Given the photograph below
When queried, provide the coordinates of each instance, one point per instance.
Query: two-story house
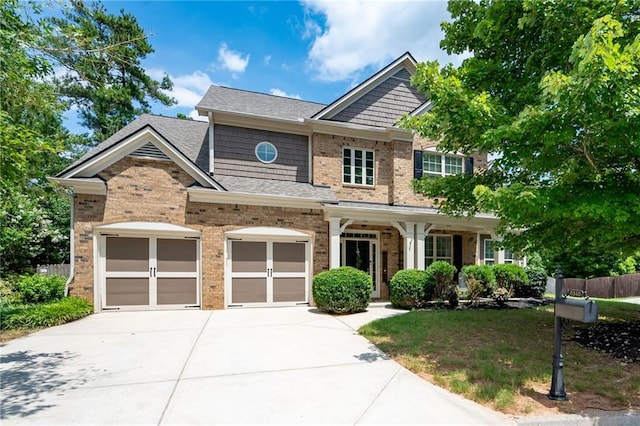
(243, 210)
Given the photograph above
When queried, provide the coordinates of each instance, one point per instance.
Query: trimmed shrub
(510, 277)
(40, 288)
(343, 290)
(410, 288)
(44, 314)
(441, 274)
(485, 277)
(537, 283)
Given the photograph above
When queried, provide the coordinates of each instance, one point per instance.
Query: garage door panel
(249, 256)
(289, 289)
(249, 290)
(127, 291)
(177, 255)
(177, 291)
(127, 254)
(289, 257)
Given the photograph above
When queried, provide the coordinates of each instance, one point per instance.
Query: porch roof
(385, 213)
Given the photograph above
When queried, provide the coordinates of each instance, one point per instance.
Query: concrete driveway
(268, 366)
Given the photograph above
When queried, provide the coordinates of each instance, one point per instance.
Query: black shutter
(468, 165)
(417, 164)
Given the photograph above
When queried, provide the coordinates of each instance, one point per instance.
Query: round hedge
(484, 276)
(343, 290)
(410, 288)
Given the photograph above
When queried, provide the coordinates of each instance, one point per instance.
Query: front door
(362, 253)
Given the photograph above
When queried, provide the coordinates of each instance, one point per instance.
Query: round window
(266, 152)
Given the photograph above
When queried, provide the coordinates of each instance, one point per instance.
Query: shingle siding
(235, 154)
(385, 104)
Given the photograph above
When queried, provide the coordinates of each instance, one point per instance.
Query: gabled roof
(182, 141)
(403, 67)
(186, 135)
(219, 98)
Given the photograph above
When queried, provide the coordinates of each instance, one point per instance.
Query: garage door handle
(152, 272)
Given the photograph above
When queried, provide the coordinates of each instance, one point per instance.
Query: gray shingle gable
(260, 104)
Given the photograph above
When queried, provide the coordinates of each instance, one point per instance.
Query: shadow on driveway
(26, 377)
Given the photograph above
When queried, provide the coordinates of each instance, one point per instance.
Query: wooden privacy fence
(606, 287)
(62, 269)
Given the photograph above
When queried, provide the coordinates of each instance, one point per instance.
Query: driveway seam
(379, 394)
(193, 347)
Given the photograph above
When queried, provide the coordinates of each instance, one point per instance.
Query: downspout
(72, 242)
(211, 142)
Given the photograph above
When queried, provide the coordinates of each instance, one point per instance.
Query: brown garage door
(267, 272)
(150, 272)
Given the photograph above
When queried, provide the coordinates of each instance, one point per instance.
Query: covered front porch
(382, 239)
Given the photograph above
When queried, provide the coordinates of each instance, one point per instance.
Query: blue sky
(314, 50)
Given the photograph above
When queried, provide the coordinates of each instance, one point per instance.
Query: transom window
(489, 252)
(438, 247)
(357, 166)
(441, 164)
(266, 152)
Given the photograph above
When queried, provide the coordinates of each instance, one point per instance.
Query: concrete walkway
(267, 366)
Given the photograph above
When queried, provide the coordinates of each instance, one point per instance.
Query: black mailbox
(577, 309)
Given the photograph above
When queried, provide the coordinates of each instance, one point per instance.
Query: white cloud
(278, 92)
(348, 37)
(195, 116)
(231, 60)
(267, 59)
(188, 89)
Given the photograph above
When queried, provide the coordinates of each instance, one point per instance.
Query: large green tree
(552, 93)
(101, 54)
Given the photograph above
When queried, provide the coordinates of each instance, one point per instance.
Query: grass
(503, 358)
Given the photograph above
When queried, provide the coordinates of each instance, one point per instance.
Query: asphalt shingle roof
(276, 187)
(259, 104)
(186, 135)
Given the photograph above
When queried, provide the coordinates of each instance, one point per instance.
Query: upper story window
(438, 247)
(435, 164)
(441, 164)
(357, 166)
(266, 152)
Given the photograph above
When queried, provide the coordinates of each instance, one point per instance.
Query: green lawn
(503, 358)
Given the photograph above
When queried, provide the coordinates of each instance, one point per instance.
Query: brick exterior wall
(155, 191)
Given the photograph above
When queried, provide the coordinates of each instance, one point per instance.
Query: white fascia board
(439, 220)
(91, 186)
(422, 109)
(133, 142)
(404, 61)
(204, 195)
(240, 119)
(360, 131)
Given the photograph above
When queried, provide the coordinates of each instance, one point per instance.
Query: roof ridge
(267, 94)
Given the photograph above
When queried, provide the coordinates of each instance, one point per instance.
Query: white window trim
(364, 167)
(258, 156)
(443, 157)
(491, 259)
(435, 256)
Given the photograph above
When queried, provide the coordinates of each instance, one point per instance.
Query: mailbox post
(557, 392)
(582, 310)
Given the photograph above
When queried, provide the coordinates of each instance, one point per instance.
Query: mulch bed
(619, 339)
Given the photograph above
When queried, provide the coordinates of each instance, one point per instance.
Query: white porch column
(478, 249)
(334, 242)
(500, 258)
(420, 236)
(409, 246)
